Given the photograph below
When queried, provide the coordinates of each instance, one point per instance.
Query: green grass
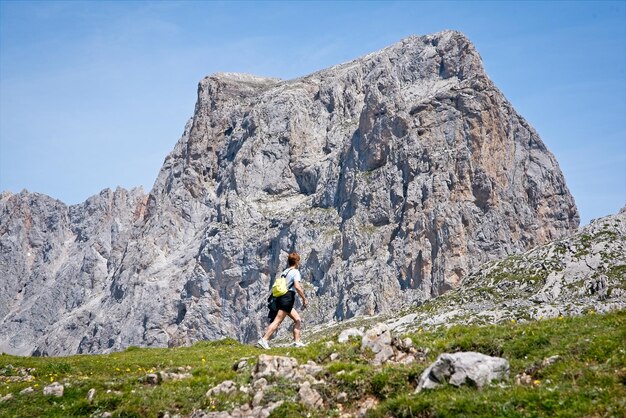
(588, 380)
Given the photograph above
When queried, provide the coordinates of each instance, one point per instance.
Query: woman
(285, 304)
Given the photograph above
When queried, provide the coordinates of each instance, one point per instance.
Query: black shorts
(286, 301)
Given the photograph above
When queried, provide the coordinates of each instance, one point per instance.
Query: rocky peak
(394, 175)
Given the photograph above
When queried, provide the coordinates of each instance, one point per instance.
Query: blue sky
(96, 94)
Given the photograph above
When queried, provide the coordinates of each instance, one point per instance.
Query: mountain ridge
(394, 175)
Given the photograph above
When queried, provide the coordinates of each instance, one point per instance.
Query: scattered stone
(385, 354)
(376, 339)
(106, 415)
(334, 356)
(388, 348)
(365, 406)
(275, 366)
(310, 369)
(7, 397)
(152, 378)
(91, 394)
(342, 397)
(55, 389)
(524, 379)
(257, 399)
(27, 391)
(114, 392)
(309, 396)
(259, 384)
(241, 411)
(404, 358)
(18, 378)
(346, 334)
(226, 387)
(550, 361)
(166, 376)
(404, 345)
(241, 364)
(471, 368)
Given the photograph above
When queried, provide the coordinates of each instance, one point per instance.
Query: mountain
(393, 175)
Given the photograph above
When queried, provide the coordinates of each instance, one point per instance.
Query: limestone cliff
(393, 175)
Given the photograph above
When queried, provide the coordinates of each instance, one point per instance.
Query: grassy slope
(590, 379)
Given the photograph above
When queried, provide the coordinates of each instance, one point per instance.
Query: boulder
(90, 395)
(275, 366)
(346, 334)
(467, 368)
(309, 397)
(226, 387)
(377, 338)
(55, 389)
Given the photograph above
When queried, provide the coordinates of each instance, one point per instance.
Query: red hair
(293, 259)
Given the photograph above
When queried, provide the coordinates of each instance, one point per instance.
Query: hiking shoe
(263, 344)
(299, 344)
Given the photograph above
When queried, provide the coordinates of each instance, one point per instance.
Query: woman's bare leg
(271, 329)
(297, 324)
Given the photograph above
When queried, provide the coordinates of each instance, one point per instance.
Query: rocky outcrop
(393, 175)
(584, 273)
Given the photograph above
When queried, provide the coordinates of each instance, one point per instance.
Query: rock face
(393, 175)
(55, 266)
(584, 273)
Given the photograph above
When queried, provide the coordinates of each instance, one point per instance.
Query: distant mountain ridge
(394, 175)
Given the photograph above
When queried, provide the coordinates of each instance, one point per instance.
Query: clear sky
(96, 94)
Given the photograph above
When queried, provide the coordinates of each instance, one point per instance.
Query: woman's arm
(300, 291)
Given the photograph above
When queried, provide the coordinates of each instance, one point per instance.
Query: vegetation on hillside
(589, 378)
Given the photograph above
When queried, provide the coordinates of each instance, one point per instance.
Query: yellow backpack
(279, 287)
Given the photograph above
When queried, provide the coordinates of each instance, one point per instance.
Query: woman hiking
(285, 303)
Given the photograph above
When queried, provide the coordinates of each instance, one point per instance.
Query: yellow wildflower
(512, 321)
(537, 382)
(127, 370)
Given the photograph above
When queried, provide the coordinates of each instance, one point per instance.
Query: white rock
(463, 368)
(346, 334)
(55, 389)
(309, 396)
(226, 387)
